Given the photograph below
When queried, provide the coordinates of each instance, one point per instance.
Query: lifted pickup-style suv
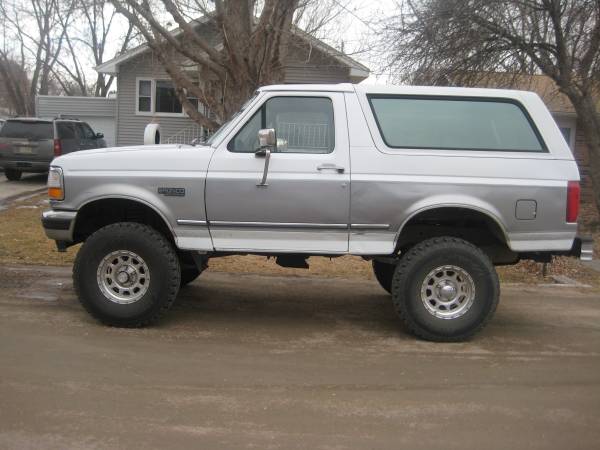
(435, 186)
(28, 144)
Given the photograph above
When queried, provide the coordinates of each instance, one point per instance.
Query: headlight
(56, 189)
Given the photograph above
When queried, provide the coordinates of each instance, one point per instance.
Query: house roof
(557, 102)
(356, 69)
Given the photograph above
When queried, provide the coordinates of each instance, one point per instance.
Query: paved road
(246, 361)
(29, 183)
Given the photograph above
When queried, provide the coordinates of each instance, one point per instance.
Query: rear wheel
(384, 273)
(13, 174)
(126, 274)
(445, 289)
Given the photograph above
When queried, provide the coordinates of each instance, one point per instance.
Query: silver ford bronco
(435, 186)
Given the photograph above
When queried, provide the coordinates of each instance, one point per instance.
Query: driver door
(303, 206)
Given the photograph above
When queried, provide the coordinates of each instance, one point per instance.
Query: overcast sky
(357, 32)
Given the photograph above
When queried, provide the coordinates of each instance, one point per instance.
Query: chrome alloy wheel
(448, 292)
(123, 277)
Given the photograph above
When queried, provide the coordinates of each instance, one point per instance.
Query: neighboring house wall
(304, 65)
(130, 123)
(98, 112)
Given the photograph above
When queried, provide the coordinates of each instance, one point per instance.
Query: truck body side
(381, 193)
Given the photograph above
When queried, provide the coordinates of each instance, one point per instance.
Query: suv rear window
(455, 123)
(33, 131)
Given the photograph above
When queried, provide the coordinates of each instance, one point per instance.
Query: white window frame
(137, 97)
(152, 111)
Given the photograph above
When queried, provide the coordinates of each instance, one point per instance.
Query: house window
(166, 98)
(159, 97)
(145, 96)
(566, 132)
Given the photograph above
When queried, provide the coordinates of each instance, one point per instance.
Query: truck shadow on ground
(261, 303)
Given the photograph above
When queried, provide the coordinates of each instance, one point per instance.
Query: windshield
(27, 129)
(219, 131)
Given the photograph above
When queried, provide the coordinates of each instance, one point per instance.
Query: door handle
(266, 153)
(328, 166)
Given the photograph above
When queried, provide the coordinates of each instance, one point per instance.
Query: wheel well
(473, 226)
(99, 213)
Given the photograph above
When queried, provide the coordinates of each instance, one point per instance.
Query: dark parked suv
(29, 144)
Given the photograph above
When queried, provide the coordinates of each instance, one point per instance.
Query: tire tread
(400, 279)
(163, 246)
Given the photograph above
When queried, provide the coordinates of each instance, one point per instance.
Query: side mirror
(266, 138)
(99, 135)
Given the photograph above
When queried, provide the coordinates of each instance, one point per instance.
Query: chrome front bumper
(59, 225)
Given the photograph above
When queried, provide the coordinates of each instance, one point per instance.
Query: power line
(353, 14)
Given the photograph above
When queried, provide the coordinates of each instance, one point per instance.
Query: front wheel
(445, 289)
(126, 275)
(12, 174)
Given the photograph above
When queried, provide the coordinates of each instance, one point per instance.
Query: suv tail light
(57, 147)
(573, 192)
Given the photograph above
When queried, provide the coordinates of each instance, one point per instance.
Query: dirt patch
(22, 238)
(22, 241)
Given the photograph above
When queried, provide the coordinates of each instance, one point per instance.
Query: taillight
(573, 192)
(57, 147)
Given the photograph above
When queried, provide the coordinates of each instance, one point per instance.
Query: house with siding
(145, 94)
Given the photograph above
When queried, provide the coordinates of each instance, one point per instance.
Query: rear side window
(34, 131)
(447, 123)
(66, 130)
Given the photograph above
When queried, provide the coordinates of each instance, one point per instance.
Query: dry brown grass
(22, 241)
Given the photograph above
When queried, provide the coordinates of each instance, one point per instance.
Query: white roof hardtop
(397, 90)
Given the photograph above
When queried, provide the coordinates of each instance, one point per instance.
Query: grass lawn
(22, 241)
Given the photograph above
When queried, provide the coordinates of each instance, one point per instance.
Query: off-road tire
(153, 248)
(411, 272)
(384, 273)
(13, 174)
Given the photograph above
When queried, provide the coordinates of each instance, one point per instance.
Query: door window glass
(302, 125)
(85, 132)
(246, 140)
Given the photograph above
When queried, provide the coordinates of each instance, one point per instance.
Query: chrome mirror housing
(266, 138)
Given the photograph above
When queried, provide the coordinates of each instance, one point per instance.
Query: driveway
(246, 361)
(28, 184)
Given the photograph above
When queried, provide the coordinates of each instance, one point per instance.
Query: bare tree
(251, 44)
(94, 27)
(434, 41)
(34, 42)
